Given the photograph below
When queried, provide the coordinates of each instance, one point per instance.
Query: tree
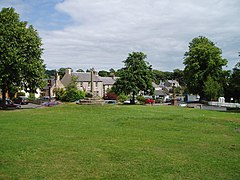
(136, 76)
(202, 60)
(80, 70)
(234, 83)
(50, 73)
(103, 73)
(158, 76)
(211, 89)
(179, 76)
(112, 71)
(20, 54)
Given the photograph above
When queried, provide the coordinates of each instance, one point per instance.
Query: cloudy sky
(101, 33)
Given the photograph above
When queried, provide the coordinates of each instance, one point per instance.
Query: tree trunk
(133, 99)
(4, 91)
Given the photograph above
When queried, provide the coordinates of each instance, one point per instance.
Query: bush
(141, 99)
(31, 97)
(72, 95)
(110, 96)
(122, 97)
(60, 93)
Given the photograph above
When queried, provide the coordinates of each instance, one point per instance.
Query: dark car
(45, 98)
(21, 100)
(9, 105)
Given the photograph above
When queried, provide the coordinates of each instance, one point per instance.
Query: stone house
(52, 84)
(84, 82)
(107, 83)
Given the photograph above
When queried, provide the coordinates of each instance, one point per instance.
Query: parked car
(110, 101)
(129, 101)
(21, 100)
(149, 101)
(45, 98)
(9, 105)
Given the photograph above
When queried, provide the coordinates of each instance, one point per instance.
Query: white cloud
(103, 32)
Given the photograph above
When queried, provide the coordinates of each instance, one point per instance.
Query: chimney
(57, 77)
(112, 75)
(95, 73)
(68, 71)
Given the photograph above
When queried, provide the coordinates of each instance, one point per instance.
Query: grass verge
(119, 142)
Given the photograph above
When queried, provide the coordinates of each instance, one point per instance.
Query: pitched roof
(86, 77)
(155, 85)
(107, 80)
(160, 93)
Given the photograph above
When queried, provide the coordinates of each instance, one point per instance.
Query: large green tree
(203, 59)
(103, 73)
(234, 84)
(179, 76)
(211, 89)
(136, 76)
(20, 54)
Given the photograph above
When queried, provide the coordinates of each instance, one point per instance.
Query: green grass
(119, 142)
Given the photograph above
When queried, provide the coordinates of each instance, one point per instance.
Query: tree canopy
(234, 83)
(202, 60)
(20, 54)
(104, 73)
(80, 70)
(136, 76)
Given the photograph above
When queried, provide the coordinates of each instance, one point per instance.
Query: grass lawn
(119, 142)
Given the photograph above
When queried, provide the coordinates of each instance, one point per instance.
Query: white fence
(220, 104)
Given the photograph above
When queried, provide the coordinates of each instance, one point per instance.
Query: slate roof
(155, 85)
(169, 83)
(107, 80)
(160, 93)
(86, 77)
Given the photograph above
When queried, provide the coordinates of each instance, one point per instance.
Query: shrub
(72, 95)
(141, 99)
(122, 97)
(110, 96)
(31, 97)
(60, 93)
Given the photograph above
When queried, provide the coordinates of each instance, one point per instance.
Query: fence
(220, 104)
